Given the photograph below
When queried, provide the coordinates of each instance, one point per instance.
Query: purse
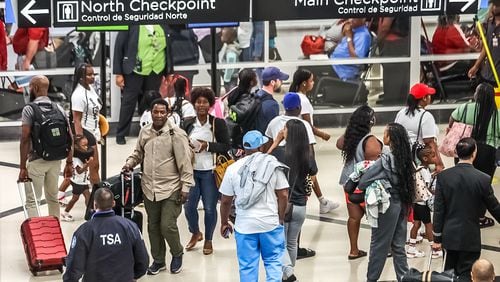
(417, 143)
(457, 131)
(221, 162)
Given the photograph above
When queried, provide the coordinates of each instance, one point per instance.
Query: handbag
(457, 131)
(221, 162)
(417, 143)
(312, 44)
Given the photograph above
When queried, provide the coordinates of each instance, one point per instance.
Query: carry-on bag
(42, 238)
(414, 275)
(127, 202)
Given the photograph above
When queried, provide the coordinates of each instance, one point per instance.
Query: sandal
(305, 253)
(486, 222)
(359, 255)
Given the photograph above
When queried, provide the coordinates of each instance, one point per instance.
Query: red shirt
(23, 35)
(449, 40)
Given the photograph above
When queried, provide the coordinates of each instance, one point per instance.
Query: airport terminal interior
(291, 46)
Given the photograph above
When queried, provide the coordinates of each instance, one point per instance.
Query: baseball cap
(273, 73)
(291, 101)
(254, 139)
(420, 90)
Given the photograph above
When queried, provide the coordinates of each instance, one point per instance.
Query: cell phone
(196, 145)
(227, 233)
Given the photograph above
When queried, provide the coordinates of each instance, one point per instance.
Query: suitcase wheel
(60, 269)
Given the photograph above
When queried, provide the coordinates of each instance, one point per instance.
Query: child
(80, 182)
(421, 211)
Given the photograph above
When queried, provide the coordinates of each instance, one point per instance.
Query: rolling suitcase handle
(22, 196)
(123, 176)
(429, 262)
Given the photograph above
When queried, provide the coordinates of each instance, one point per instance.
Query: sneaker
(290, 279)
(120, 140)
(412, 252)
(155, 268)
(437, 254)
(176, 265)
(65, 216)
(327, 206)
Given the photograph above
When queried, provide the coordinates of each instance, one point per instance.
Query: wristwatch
(349, 39)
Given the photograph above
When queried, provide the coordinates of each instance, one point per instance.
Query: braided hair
(360, 124)
(180, 89)
(486, 112)
(405, 170)
(297, 151)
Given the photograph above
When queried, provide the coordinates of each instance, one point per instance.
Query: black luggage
(414, 275)
(124, 205)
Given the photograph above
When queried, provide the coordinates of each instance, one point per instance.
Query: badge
(495, 41)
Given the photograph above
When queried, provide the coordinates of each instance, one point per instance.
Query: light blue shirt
(362, 42)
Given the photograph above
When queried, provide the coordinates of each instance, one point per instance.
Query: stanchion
(490, 60)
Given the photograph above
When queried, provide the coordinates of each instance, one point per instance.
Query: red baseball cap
(420, 90)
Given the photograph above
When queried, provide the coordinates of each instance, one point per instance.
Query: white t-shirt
(203, 160)
(245, 34)
(279, 122)
(307, 107)
(80, 178)
(428, 129)
(88, 103)
(261, 217)
(187, 108)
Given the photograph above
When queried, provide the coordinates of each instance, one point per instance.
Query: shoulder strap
(464, 113)
(419, 131)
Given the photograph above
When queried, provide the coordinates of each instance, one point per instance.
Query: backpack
(245, 111)
(50, 134)
(422, 191)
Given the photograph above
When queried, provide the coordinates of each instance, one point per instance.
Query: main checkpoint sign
(333, 9)
(70, 13)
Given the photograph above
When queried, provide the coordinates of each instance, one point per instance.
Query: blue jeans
(206, 189)
(270, 245)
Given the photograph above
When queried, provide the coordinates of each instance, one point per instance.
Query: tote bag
(457, 131)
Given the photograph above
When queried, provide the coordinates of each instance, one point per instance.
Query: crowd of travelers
(261, 167)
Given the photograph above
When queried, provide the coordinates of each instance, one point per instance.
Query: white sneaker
(327, 206)
(66, 217)
(437, 254)
(412, 252)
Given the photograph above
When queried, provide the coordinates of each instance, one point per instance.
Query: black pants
(396, 75)
(461, 263)
(135, 86)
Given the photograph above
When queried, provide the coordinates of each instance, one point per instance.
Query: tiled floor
(326, 234)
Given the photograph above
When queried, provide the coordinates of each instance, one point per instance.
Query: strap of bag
(419, 131)
(213, 139)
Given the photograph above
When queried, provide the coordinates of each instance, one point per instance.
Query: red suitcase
(43, 240)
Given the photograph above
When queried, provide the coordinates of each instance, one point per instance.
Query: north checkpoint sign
(70, 13)
(335, 9)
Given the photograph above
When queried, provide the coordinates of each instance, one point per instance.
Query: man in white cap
(259, 186)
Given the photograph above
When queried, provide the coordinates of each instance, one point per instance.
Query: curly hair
(403, 161)
(299, 77)
(203, 92)
(360, 124)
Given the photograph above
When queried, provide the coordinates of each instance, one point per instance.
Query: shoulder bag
(458, 130)
(221, 162)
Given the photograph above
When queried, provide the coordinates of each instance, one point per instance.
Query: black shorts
(78, 189)
(422, 213)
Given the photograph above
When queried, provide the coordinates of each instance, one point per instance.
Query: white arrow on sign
(466, 6)
(27, 12)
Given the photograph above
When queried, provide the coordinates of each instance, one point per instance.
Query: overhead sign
(334, 9)
(68, 13)
(33, 13)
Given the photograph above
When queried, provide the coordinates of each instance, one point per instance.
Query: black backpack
(50, 134)
(245, 111)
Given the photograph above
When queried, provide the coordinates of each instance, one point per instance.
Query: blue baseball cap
(291, 101)
(273, 73)
(254, 139)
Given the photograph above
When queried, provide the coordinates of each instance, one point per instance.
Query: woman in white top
(210, 137)
(175, 90)
(85, 106)
(420, 123)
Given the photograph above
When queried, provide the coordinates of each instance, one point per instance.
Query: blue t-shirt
(269, 109)
(362, 42)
